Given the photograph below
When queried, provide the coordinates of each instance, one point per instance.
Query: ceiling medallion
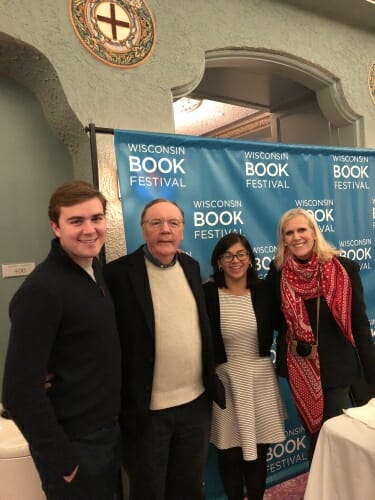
(371, 81)
(117, 32)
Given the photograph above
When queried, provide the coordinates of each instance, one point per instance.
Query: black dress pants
(99, 455)
(166, 461)
(335, 399)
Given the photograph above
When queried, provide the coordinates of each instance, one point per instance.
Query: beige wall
(33, 163)
(140, 98)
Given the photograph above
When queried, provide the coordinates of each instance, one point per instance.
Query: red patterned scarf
(301, 281)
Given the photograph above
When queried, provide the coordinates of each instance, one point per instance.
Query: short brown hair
(71, 193)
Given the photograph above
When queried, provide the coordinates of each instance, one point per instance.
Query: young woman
(242, 329)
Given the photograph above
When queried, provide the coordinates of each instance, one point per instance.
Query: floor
(293, 489)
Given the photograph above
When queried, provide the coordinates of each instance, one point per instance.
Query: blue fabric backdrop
(231, 185)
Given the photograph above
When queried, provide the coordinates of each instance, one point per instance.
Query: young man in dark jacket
(63, 324)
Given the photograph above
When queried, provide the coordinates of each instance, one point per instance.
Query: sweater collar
(57, 249)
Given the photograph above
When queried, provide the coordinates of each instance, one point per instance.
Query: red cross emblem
(118, 32)
(116, 22)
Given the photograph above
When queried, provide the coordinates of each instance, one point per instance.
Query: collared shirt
(156, 261)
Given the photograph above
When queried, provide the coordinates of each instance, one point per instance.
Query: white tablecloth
(343, 467)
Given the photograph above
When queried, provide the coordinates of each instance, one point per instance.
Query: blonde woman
(324, 338)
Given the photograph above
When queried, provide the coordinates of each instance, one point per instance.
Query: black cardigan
(262, 314)
(339, 361)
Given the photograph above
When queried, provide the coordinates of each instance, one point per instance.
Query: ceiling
(228, 95)
(207, 116)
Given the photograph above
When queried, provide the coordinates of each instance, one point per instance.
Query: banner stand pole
(92, 130)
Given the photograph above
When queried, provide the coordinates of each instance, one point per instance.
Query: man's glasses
(157, 224)
(229, 257)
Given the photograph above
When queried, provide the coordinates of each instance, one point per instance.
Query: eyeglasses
(157, 224)
(229, 257)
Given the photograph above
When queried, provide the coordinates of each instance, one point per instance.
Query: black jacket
(62, 322)
(340, 362)
(260, 300)
(128, 282)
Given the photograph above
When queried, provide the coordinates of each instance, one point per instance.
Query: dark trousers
(166, 459)
(99, 455)
(235, 473)
(334, 400)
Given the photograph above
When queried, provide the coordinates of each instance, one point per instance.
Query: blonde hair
(324, 250)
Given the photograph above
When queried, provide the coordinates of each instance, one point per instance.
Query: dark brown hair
(221, 247)
(71, 193)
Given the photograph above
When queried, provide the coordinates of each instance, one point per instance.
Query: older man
(168, 370)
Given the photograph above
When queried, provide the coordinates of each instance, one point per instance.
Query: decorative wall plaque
(371, 81)
(118, 32)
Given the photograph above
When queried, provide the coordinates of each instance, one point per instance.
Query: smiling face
(299, 237)
(81, 229)
(235, 263)
(163, 230)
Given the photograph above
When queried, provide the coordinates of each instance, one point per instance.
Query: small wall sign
(120, 33)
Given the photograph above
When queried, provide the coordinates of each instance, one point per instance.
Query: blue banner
(231, 185)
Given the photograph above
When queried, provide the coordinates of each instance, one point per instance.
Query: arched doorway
(296, 102)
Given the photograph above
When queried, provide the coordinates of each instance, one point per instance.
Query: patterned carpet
(293, 489)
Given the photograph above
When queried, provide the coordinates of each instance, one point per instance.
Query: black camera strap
(317, 319)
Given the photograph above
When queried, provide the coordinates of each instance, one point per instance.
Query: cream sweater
(178, 360)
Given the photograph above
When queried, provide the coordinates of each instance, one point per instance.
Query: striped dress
(254, 410)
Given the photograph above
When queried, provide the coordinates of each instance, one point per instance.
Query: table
(343, 467)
